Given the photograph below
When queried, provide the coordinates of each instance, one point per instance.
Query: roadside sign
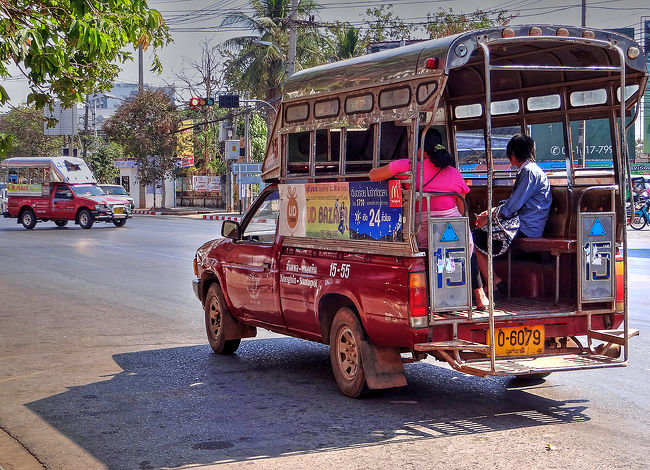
(247, 168)
(249, 179)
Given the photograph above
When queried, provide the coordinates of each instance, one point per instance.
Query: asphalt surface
(104, 364)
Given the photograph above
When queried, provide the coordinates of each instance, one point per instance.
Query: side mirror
(231, 229)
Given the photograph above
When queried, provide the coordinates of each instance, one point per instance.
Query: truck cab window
(63, 192)
(262, 226)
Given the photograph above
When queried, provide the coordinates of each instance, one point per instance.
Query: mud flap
(382, 366)
(232, 329)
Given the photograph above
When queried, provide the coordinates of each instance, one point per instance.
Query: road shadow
(275, 397)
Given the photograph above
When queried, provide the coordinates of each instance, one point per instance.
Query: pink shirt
(449, 180)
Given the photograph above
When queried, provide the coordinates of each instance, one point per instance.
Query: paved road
(104, 364)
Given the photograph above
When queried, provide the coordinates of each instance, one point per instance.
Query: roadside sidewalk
(206, 213)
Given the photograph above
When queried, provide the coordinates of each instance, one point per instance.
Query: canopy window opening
(328, 151)
(298, 150)
(393, 142)
(472, 159)
(359, 149)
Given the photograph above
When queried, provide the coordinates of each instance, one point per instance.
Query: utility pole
(582, 125)
(291, 68)
(142, 194)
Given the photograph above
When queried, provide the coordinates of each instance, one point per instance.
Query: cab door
(63, 205)
(252, 263)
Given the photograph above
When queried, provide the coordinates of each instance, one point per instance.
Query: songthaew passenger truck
(60, 189)
(326, 255)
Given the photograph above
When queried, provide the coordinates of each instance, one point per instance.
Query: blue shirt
(530, 200)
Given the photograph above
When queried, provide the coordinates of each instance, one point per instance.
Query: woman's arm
(380, 173)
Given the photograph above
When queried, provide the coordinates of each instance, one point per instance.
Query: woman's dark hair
(522, 147)
(438, 155)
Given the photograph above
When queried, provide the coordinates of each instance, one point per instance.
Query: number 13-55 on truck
(326, 255)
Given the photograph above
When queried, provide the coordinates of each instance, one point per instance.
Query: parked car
(118, 192)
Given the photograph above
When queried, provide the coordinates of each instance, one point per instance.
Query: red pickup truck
(59, 189)
(326, 255)
(83, 203)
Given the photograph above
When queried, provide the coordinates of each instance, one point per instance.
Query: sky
(192, 22)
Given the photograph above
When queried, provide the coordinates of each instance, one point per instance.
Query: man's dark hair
(522, 147)
(440, 157)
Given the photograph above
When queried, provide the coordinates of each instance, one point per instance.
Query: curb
(222, 217)
(235, 218)
(145, 212)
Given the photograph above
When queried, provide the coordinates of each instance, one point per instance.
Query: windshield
(115, 190)
(87, 190)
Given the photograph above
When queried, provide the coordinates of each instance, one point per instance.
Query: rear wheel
(215, 313)
(61, 223)
(119, 222)
(345, 353)
(86, 219)
(28, 219)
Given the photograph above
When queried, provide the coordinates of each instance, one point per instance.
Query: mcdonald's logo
(395, 193)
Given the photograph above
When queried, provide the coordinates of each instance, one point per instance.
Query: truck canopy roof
(66, 169)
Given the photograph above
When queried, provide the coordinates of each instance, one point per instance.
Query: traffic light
(200, 102)
(229, 101)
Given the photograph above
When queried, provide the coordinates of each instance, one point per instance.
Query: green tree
(146, 128)
(67, 48)
(258, 136)
(446, 22)
(23, 127)
(257, 63)
(101, 156)
(384, 25)
(344, 41)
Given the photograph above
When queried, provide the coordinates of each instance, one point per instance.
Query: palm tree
(257, 62)
(344, 42)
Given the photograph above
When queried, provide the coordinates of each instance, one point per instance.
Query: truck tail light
(418, 300)
(196, 268)
(620, 291)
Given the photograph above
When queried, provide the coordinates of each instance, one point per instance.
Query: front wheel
(119, 222)
(28, 219)
(61, 223)
(86, 219)
(215, 313)
(345, 353)
(638, 221)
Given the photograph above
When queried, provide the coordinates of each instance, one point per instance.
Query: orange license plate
(518, 340)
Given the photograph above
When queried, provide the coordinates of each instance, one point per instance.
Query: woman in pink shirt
(439, 175)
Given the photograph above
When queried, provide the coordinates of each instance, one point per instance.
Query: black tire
(638, 222)
(215, 312)
(86, 219)
(345, 353)
(119, 222)
(28, 219)
(61, 223)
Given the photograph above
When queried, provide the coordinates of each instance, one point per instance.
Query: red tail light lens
(418, 299)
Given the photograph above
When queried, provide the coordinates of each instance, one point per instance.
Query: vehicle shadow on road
(275, 397)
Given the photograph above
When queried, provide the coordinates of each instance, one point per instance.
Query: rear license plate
(518, 340)
(118, 210)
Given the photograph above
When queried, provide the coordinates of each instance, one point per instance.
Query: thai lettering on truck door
(251, 267)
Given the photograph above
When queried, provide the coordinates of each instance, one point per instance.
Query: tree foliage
(101, 156)
(146, 127)
(23, 129)
(258, 132)
(68, 48)
(446, 22)
(258, 63)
